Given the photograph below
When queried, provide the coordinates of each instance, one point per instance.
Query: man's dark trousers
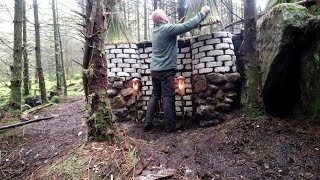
(163, 84)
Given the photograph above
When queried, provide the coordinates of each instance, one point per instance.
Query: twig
(77, 63)
(230, 10)
(24, 123)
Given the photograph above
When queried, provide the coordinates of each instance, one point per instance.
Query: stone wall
(215, 80)
(207, 62)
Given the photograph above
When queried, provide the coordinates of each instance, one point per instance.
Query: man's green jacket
(164, 42)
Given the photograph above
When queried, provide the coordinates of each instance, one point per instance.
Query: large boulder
(288, 44)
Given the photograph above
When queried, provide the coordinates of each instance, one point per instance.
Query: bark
(26, 80)
(138, 19)
(253, 101)
(41, 81)
(145, 21)
(56, 47)
(181, 8)
(16, 68)
(63, 74)
(155, 4)
(100, 122)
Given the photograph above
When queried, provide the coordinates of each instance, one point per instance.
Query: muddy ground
(240, 148)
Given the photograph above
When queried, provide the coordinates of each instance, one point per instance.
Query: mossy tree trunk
(100, 122)
(39, 71)
(26, 80)
(16, 68)
(251, 95)
(56, 47)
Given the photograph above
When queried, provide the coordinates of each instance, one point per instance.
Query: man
(164, 62)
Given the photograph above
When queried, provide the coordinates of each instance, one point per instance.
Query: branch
(24, 123)
(5, 44)
(79, 13)
(77, 63)
(231, 11)
(238, 21)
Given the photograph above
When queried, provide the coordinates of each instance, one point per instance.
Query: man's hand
(205, 9)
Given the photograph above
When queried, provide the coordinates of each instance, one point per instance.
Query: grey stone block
(188, 55)
(136, 75)
(228, 63)
(116, 51)
(180, 56)
(224, 58)
(186, 61)
(185, 50)
(148, 50)
(215, 53)
(134, 46)
(115, 70)
(129, 51)
(130, 61)
(109, 46)
(200, 55)
(111, 74)
(198, 44)
(148, 60)
(123, 65)
(180, 67)
(207, 59)
(206, 48)
(137, 66)
(220, 34)
(121, 55)
(199, 66)
(130, 70)
(123, 46)
(213, 64)
(205, 37)
(213, 41)
(186, 74)
(114, 61)
(188, 67)
(229, 52)
(144, 66)
(227, 40)
(205, 70)
(222, 69)
(135, 56)
(195, 50)
(222, 46)
(110, 56)
(123, 74)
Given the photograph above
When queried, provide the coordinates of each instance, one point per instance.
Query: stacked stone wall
(215, 80)
(207, 62)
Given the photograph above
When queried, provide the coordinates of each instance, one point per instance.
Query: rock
(289, 51)
(205, 110)
(128, 84)
(212, 101)
(223, 107)
(220, 95)
(228, 100)
(231, 95)
(228, 87)
(233, 77)
(118, 102)
(117, 85)
(200, 85)
(126, 92)
(112, 92)
(123, 112)
(132, 100)
(216, 78)
(214, 89)
(204, 124)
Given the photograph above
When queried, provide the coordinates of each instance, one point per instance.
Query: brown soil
(26, 149)
(237, 149)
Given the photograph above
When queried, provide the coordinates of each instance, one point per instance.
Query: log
(25, 114)
(24, 123)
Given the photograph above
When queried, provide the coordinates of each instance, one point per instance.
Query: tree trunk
(26, 81)
(138, 19)
(100, 122)
(251, 95)
(56, 47)
(42, 84)
(16, 68)
(64, 81)
(145, 21)
(155, 4)
(181, 8)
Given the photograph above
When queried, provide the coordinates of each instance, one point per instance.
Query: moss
(101, 118)
(56, 99)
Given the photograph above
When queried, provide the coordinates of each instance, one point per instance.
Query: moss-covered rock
(288, 44)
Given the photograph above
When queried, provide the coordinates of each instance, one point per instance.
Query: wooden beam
(24, 123)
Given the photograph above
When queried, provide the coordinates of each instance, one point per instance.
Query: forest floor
(240, 148)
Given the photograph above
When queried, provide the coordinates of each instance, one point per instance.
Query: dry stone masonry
(207, 62)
